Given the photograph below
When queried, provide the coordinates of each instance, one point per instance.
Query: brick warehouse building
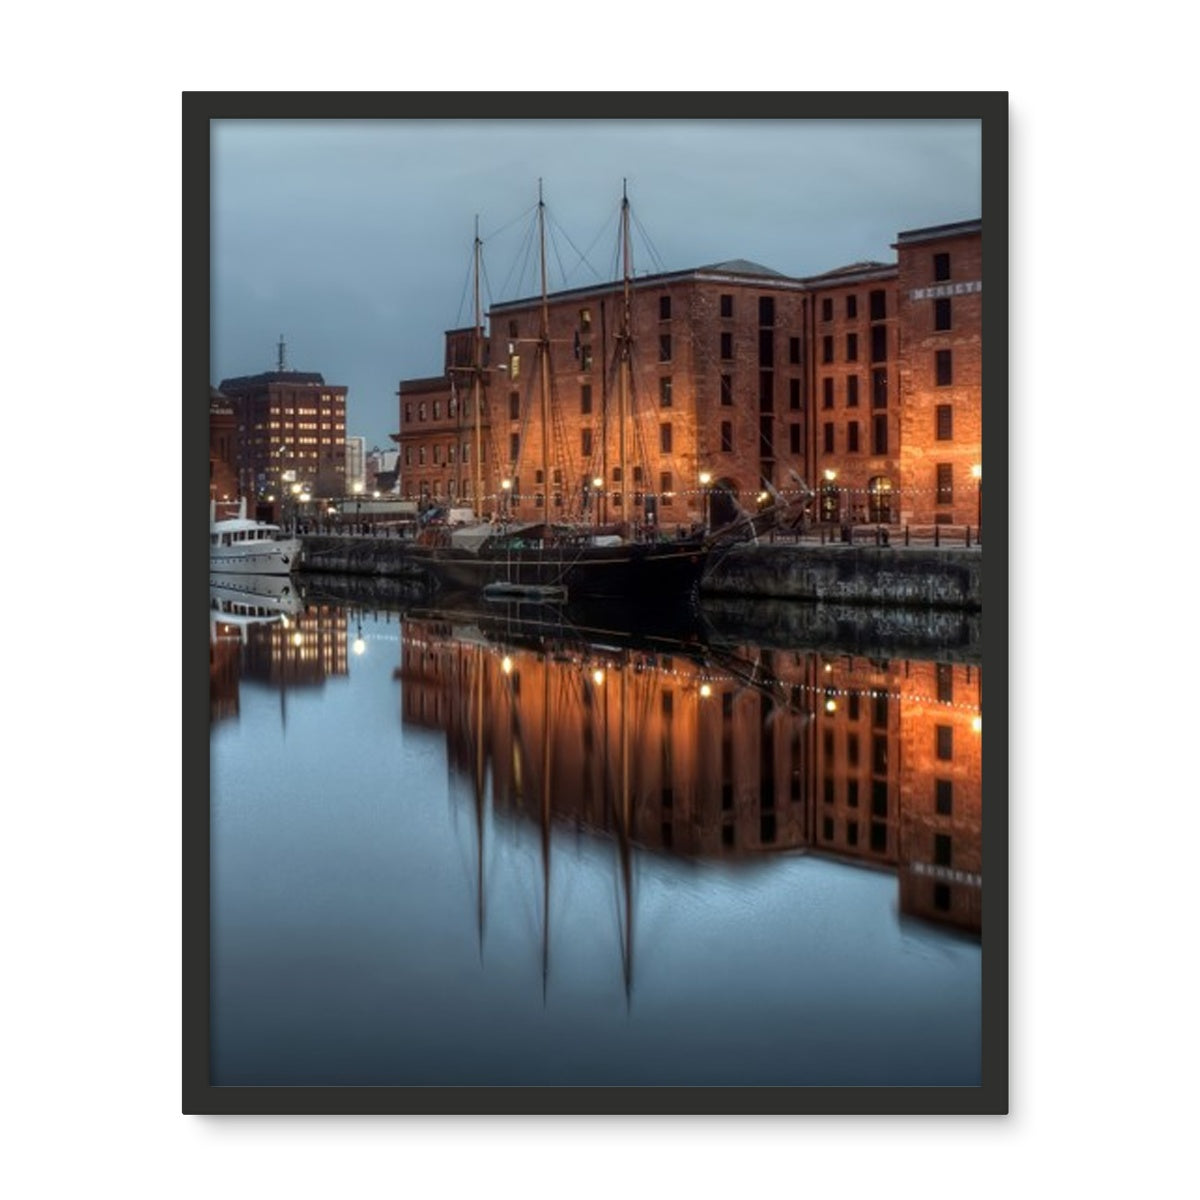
(740, 373)
(222, 447)
(291, 431)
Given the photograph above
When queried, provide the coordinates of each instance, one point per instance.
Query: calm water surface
(449, 849)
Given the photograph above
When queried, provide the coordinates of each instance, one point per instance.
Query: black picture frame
(199, 1095)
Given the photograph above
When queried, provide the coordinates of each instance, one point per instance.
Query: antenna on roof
(282, 355)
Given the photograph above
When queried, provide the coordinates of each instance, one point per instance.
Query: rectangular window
(852, 793)
(726, 306)
(878, 837)
(945, 683)
(879, 346)
(852, 749)
(941, 313)
(851, 833)
(879, 754)
(945, 742)
(852, 347)
(514, 406)
(827, 310)
(794, 437)
(514, 447)
(585, 357)
(945, 370)
(945, 423)
(851, 391)
(879, 387)
(616, 474)
(664, 488)
(727, 345)
(852, 437)
(637, 475)
(586, 443)
(828, 789)
(851, 307)
(941, 850)
(766, 348)
(766, 310)
(585, 398)
(852, 708)
(664, 392)
(512, 329)
(945, 483)
(879, 710)
(668, 703)
(793, 393)
(585, 319)
(827, 829)
(941, 266)
(880, 435)
(793, 350)
(664, 308)
(878, 301)
(664, 347)
(828, 437)
(726, 390)
(827, 393)
(879, 798)
(766, 391)
(766, 437)
(727, 437)
(827, 349)
(664, 438)
(944, 797)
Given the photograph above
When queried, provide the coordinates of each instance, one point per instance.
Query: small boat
(540, 593)
(242, 546)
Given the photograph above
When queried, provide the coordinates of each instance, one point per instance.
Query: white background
(1102, 669)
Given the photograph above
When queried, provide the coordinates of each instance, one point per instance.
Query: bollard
(937, 535)
(906, 535)
(968, 537)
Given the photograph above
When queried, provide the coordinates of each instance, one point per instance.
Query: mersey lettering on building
(946, 289)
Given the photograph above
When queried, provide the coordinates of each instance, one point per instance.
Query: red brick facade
(940, 298)
(291, 431)
(222, 448)
(749, 377)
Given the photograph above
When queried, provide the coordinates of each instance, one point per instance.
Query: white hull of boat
(256, 558)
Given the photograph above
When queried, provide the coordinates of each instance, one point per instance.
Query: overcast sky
(353, 238)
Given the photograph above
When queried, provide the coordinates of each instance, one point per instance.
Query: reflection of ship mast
(480, 793)
(545, 824)
(624, 840)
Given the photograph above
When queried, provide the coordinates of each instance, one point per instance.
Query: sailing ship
(580, 560)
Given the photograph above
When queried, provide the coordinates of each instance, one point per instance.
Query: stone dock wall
(945, 578)
(873, 575)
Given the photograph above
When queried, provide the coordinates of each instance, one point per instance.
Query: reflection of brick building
(839, 757)
(300, 651)
(843, 379)
(940, 786)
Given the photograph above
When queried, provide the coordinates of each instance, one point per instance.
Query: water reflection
(716, 754)
(261, 629)
(479, 846)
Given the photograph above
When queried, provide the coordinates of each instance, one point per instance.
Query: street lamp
(506, 485)
(597, 487)
(705, 480)
(977, 475)
(830, 505)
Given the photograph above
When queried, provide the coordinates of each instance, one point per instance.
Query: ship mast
(475, 380)
(544, 351)
(622, 395)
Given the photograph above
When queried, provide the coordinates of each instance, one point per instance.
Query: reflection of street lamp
(977, 475)
(705, 480)
(597, 487)
(506, 485)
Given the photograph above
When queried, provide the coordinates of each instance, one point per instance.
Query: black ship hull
(649, 573)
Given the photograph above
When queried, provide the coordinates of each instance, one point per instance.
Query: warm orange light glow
(976, 724)
(597, 677)
(705, 691)
(506, 665)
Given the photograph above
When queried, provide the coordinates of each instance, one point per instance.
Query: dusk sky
(353, 239)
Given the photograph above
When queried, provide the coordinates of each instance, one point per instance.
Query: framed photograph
(595, 611)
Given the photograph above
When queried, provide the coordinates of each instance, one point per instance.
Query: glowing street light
(705, 480)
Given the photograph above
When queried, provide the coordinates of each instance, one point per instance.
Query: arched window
(879, 500)
(437, 410)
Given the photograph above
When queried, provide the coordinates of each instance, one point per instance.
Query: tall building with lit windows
(291, 431)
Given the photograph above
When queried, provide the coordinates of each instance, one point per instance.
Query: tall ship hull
(653, 573)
